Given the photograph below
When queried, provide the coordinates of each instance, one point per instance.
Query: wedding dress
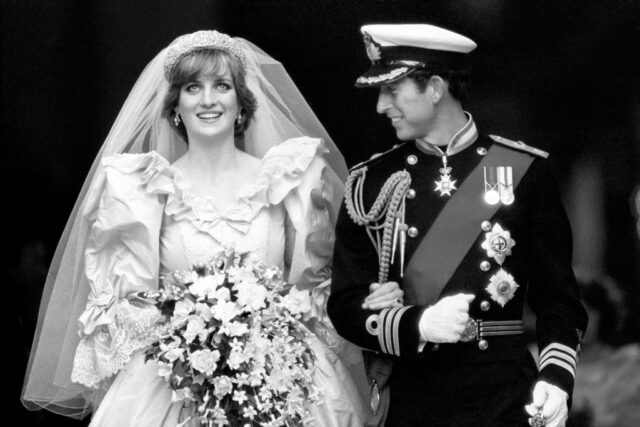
(145, 220)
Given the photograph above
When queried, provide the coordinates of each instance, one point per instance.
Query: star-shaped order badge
(446, 185)
(502, 287)
(498, 243)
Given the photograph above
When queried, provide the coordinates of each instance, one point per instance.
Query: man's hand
(445, 321)
(551, 402)
(381, 296)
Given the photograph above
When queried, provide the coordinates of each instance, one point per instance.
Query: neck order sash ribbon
(456, 228)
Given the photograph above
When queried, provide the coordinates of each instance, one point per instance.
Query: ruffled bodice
(145, 219)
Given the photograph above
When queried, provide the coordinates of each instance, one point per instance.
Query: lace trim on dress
(106, 351)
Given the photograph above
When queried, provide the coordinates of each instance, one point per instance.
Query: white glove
(381, 296)
(445, 321)
(551, 401)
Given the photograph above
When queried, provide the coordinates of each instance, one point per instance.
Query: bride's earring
(239, 118)
(176, 119)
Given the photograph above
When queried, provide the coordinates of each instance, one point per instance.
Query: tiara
(199, 40)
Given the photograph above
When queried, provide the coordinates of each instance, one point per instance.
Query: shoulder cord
(389, 204)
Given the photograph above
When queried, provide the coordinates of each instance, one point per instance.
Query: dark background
(559, 75)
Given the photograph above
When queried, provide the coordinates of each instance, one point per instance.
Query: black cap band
(396, 55)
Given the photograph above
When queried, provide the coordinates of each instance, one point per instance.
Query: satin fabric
(146, 221)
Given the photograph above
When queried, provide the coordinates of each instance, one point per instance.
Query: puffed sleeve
(553, 292)
(124, 211)
(311, 193)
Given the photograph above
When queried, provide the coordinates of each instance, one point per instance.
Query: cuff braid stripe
(560, 355)
(388, 332)
(381, 331)
(561, 364)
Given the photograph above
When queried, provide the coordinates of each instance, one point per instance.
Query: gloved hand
(445, 321)
(551, 401)
(385, 295)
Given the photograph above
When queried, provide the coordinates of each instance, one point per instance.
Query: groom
(471, 227)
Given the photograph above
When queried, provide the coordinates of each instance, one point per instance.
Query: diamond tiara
(199, 40)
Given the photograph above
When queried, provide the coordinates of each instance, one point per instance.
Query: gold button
(412, 232)
(485, 266)
(486, 225)
(411, 194)
(485, 305)
(483, 345)
(482, 151)
(412, 159)
(435, 347)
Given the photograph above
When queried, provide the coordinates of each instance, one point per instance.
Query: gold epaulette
(519, 145)
(376, 156)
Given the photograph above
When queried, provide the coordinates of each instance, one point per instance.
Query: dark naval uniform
(505, 248)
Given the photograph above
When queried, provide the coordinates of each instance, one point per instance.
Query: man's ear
(439, 88)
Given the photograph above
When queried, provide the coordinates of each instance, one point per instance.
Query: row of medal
(498, 182)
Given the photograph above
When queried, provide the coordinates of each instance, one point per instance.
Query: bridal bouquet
(234, 344)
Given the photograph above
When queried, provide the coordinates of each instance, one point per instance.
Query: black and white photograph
(322, 213)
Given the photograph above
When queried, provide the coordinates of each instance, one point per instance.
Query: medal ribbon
(456, 228)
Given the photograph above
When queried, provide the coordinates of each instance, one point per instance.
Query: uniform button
(485, 305)
(412, 231)
(482, 151)
(412, 159)
(485, 266)
(486, 225)
(483, 345)
(411, 193)
(435, 347)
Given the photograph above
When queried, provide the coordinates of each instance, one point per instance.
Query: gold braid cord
(384, 217)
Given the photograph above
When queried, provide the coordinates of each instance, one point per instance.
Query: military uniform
(506, 252)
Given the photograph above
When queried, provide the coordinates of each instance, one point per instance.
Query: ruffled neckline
(282, 170)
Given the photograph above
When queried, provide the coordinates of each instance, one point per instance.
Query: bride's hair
(210, 61)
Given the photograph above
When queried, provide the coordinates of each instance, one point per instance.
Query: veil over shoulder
(282, 114)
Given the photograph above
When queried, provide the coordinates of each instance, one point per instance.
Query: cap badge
(373, 49)
(498, 243)
(502, 287)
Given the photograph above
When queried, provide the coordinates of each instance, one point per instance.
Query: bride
(208, 152)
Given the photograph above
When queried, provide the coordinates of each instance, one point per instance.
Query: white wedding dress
(145, 220)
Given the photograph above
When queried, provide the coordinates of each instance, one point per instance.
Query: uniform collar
(466, 136)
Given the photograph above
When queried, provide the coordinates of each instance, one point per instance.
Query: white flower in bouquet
(235, 329)
(236, 358)
(241, 275)
(205, 361)
(225, 311)
(181, 394)
(251, 296)
(297, 302)
(205, 286)
(219, 416)
(165, 369)
(195, 327)
(222, 386)
(240, 396)
(174, 354)
(221, 294)
(181, 312)
(204, 310)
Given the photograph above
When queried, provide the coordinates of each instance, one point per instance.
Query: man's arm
(355, 267)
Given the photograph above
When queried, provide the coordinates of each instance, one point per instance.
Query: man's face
(410, 111)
